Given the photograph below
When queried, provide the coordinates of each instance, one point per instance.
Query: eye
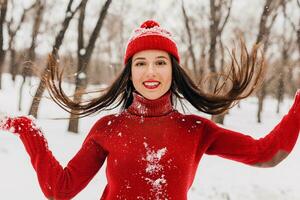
(139, 64)
(161, 62)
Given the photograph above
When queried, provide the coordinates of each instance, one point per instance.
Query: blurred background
(89, 37)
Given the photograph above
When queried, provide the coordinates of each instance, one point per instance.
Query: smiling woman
(151, 73)
(149, 145)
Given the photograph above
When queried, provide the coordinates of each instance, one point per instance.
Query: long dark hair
(243, 77)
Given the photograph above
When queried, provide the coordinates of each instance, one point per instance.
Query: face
(151, 73)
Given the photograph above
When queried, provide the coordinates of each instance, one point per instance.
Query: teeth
(151, 83)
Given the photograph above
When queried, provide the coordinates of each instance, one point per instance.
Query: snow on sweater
(152, 151)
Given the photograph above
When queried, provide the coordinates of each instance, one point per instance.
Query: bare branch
(3, 11)
(68, 17)
(93, 38)
(263, 21)
(286, 16)
(80, 41)
(40, 6)
(187, 26)
(227, 16)
(58, 41)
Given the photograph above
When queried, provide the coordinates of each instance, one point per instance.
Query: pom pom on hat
(149, 24)
(150, 36)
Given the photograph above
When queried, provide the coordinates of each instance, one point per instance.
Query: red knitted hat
(150, 36)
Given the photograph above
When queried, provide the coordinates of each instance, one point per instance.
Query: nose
(151, 70)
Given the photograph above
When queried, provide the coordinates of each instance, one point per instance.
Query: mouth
(151, 84)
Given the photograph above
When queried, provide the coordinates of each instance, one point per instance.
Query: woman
(152, 150)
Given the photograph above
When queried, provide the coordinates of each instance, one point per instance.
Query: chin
(155, 96)
(152, 96)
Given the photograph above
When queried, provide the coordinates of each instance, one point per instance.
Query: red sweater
(152, 151)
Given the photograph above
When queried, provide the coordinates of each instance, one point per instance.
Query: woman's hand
(295, 109)
(17, 125)
(26, 129)
(3, 122)
(297, 100)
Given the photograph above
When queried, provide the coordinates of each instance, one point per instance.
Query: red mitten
(28, 132)
(57, 182)
(3, 121)
(296, 105)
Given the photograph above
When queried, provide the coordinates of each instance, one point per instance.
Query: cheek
(167, 74)
(135, 76)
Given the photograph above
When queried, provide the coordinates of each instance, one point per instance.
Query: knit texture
(150, 36)
(152, 150)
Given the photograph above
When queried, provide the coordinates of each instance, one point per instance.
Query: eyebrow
(161, 57)
(139, 58)
(142, 58)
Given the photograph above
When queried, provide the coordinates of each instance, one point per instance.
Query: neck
(150, 108)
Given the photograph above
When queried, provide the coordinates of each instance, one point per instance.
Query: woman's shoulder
(205, 123)
(106, 120)
(193, 118)
(188, 116)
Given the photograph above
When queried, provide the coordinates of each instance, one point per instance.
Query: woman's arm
(276, 159)
(57, 182)
(264, 152)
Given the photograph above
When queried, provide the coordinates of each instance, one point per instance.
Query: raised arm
(264, 152)
(55, 181)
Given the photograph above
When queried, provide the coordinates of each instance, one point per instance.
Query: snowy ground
(216, 178)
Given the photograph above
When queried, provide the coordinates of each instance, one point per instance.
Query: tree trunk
(284, 69)
(84, 59)
(263, 37)
(261, 96)
(58, 41)
(219, 118)
(13, 64)
(21, 95)
(298, 34)
(81, 84)
(215, 32)
(3, 9)
(280, 90)
(190, 43)
(26, 70)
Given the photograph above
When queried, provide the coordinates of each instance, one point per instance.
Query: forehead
(151, 54)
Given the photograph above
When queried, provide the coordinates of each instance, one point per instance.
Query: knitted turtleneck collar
(151, 108)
